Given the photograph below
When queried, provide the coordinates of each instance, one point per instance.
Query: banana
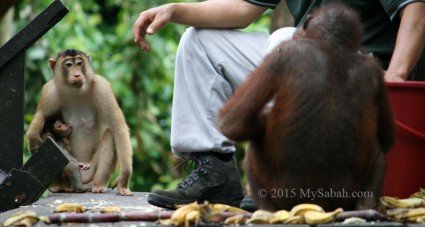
(238, 219)
(22, 218)
(315, 217)
(113, 209)
(70, 207)
(193, 217)
(179, 216)
(279, 217)
(392, 202)
(260, 217)
(301, 209)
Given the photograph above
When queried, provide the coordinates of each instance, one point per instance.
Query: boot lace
(194, 175)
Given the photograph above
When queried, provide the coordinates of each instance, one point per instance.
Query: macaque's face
(62, 129)
(71, 70)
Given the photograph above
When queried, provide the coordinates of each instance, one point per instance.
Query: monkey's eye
(68, 63)
(79, 62)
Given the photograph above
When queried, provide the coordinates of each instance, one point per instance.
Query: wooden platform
(94, 202)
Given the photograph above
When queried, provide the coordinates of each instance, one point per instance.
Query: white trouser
(210, 66)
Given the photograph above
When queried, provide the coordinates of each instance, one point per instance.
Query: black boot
(212, 180)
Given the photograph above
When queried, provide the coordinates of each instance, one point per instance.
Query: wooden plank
(12, 87)
(18, 188)
(32, 31)
(46, 163)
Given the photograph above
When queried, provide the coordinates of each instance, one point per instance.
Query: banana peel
(294, 220)
(419, 194)
(22, 218)
(223, 207)
(238, 219)
(260, 217)
(393, 202)
(301, 209)
(415, 215)
(70, 207)
(280, 217)
(193, 217)
(179, 216)
(317, 217)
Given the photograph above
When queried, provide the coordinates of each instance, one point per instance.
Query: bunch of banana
(414, 215)
(316, 217)
(185, 214)
(393, 202)
(22, 218)
(300, 214)
(70, 207)
(193, 213)
(266, 217)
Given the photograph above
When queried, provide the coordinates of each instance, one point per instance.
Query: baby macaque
(70, 179)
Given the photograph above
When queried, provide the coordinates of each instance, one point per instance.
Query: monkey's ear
(89, 57)
(307, 21)
(52, 63)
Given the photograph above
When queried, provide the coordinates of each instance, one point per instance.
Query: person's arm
(410, 42)
(206, 14)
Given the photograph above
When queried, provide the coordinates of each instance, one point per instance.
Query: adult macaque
(70, 179)
(324, 139)
(86, 101)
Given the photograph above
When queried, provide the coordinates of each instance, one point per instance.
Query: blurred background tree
(142, 82)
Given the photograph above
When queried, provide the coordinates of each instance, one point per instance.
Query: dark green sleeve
(393, 7)
(265, 3)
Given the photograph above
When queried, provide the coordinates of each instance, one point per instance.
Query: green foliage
(142, 82)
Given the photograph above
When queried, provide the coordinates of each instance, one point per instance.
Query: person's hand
(393, 77)
(149, 22)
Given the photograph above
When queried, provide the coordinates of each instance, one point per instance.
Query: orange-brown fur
(330, 123)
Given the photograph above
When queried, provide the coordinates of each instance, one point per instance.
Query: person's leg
(210, 66)
(277, 37)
